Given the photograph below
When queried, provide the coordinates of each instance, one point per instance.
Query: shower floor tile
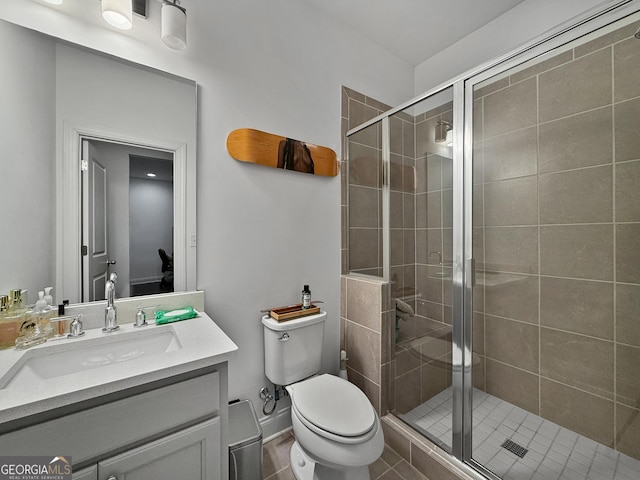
(553, 452)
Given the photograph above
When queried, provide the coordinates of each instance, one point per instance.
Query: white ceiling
(415, 30)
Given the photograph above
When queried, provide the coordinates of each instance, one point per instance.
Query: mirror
(54, 96)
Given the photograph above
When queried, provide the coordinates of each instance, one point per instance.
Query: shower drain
(513, 447)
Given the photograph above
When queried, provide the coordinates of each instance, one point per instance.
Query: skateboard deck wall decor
(255, 146)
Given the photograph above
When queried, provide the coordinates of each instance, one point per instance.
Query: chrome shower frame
(463, 261)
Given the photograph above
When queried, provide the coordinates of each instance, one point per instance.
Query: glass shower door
(556, 230)
(421, 193)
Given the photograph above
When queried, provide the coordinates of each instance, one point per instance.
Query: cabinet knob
(112, 477)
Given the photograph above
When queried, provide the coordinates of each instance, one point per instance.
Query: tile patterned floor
(275, 466)
(554, 452)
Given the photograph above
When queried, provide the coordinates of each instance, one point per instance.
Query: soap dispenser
(47, 296)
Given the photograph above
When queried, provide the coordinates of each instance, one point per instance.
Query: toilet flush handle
(284, 337)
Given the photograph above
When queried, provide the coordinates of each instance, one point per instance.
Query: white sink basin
(56, 359)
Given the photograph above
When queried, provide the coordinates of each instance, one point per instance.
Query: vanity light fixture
(118, 13)
(174, 25)
(151, 174)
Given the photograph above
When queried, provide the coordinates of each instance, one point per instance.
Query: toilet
(338, 433)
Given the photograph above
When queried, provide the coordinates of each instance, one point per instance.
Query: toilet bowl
(337, 431)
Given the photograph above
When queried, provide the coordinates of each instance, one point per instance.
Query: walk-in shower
(503, 213)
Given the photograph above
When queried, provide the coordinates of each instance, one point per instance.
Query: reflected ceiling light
(174, 25)
(118, 13)
(151, 174)
(443, 132)
(54, 2)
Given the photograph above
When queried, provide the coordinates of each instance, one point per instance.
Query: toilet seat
(333, 408)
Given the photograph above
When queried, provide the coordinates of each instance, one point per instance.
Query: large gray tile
(582, 412)
(627, 125)
(511, 202)
(577, 306)
(577, 360)
(511, 155)
(626, 64)
(396, 209)
(512, 249)
(511, 342)
(578, 251)
(628, 192)
(429, 246)
(628, 431)
(513, 385)
(364, 207)
(627, 308)
(511, 108)
(512, 296)
(627, 378)
(628, 252)
(577, 196)
(577, 86)
(363, 248)
(364, 165)
(364, 347)
(364, 303)
(578, 141)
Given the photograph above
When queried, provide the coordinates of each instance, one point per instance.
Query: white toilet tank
(293, 349)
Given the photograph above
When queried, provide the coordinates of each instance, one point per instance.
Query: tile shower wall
(361, 186)
(400, 363)
(557, 229)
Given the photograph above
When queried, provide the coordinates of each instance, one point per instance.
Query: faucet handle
(76, 328)
(141, 316)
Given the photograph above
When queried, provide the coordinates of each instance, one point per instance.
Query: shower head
(637, 34)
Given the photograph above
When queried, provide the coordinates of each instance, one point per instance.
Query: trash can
(245, 442)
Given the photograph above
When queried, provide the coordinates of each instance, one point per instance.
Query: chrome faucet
(110, 313)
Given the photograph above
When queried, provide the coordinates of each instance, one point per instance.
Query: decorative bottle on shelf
(35, 328)
(306, 297)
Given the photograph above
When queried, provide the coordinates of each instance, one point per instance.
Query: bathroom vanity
(145, 403)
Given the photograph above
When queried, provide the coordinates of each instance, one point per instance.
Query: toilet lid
(334, 405)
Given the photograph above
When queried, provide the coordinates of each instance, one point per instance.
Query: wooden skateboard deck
(255, 146)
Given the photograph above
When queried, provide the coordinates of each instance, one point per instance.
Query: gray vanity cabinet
(175, 431)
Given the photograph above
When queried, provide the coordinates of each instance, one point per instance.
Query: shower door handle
(471, 265)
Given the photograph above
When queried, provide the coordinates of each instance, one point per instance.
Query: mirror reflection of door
(95, 227)
(127, 218)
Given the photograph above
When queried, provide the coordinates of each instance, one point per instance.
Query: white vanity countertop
(201, 344)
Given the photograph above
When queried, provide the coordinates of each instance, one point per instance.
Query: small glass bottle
(306, 297)
(8, 324)
(36, 327)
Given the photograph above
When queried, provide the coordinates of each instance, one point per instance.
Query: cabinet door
(89, 473)
(190, 454)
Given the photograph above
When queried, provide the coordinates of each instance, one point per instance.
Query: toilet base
(306, 468)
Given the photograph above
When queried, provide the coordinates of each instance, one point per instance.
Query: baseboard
(276, 424)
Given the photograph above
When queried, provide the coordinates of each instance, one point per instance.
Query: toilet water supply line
(265, 394)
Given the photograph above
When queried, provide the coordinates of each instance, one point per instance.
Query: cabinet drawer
(91, 434)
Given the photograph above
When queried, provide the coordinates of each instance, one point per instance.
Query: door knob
(112, 477)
